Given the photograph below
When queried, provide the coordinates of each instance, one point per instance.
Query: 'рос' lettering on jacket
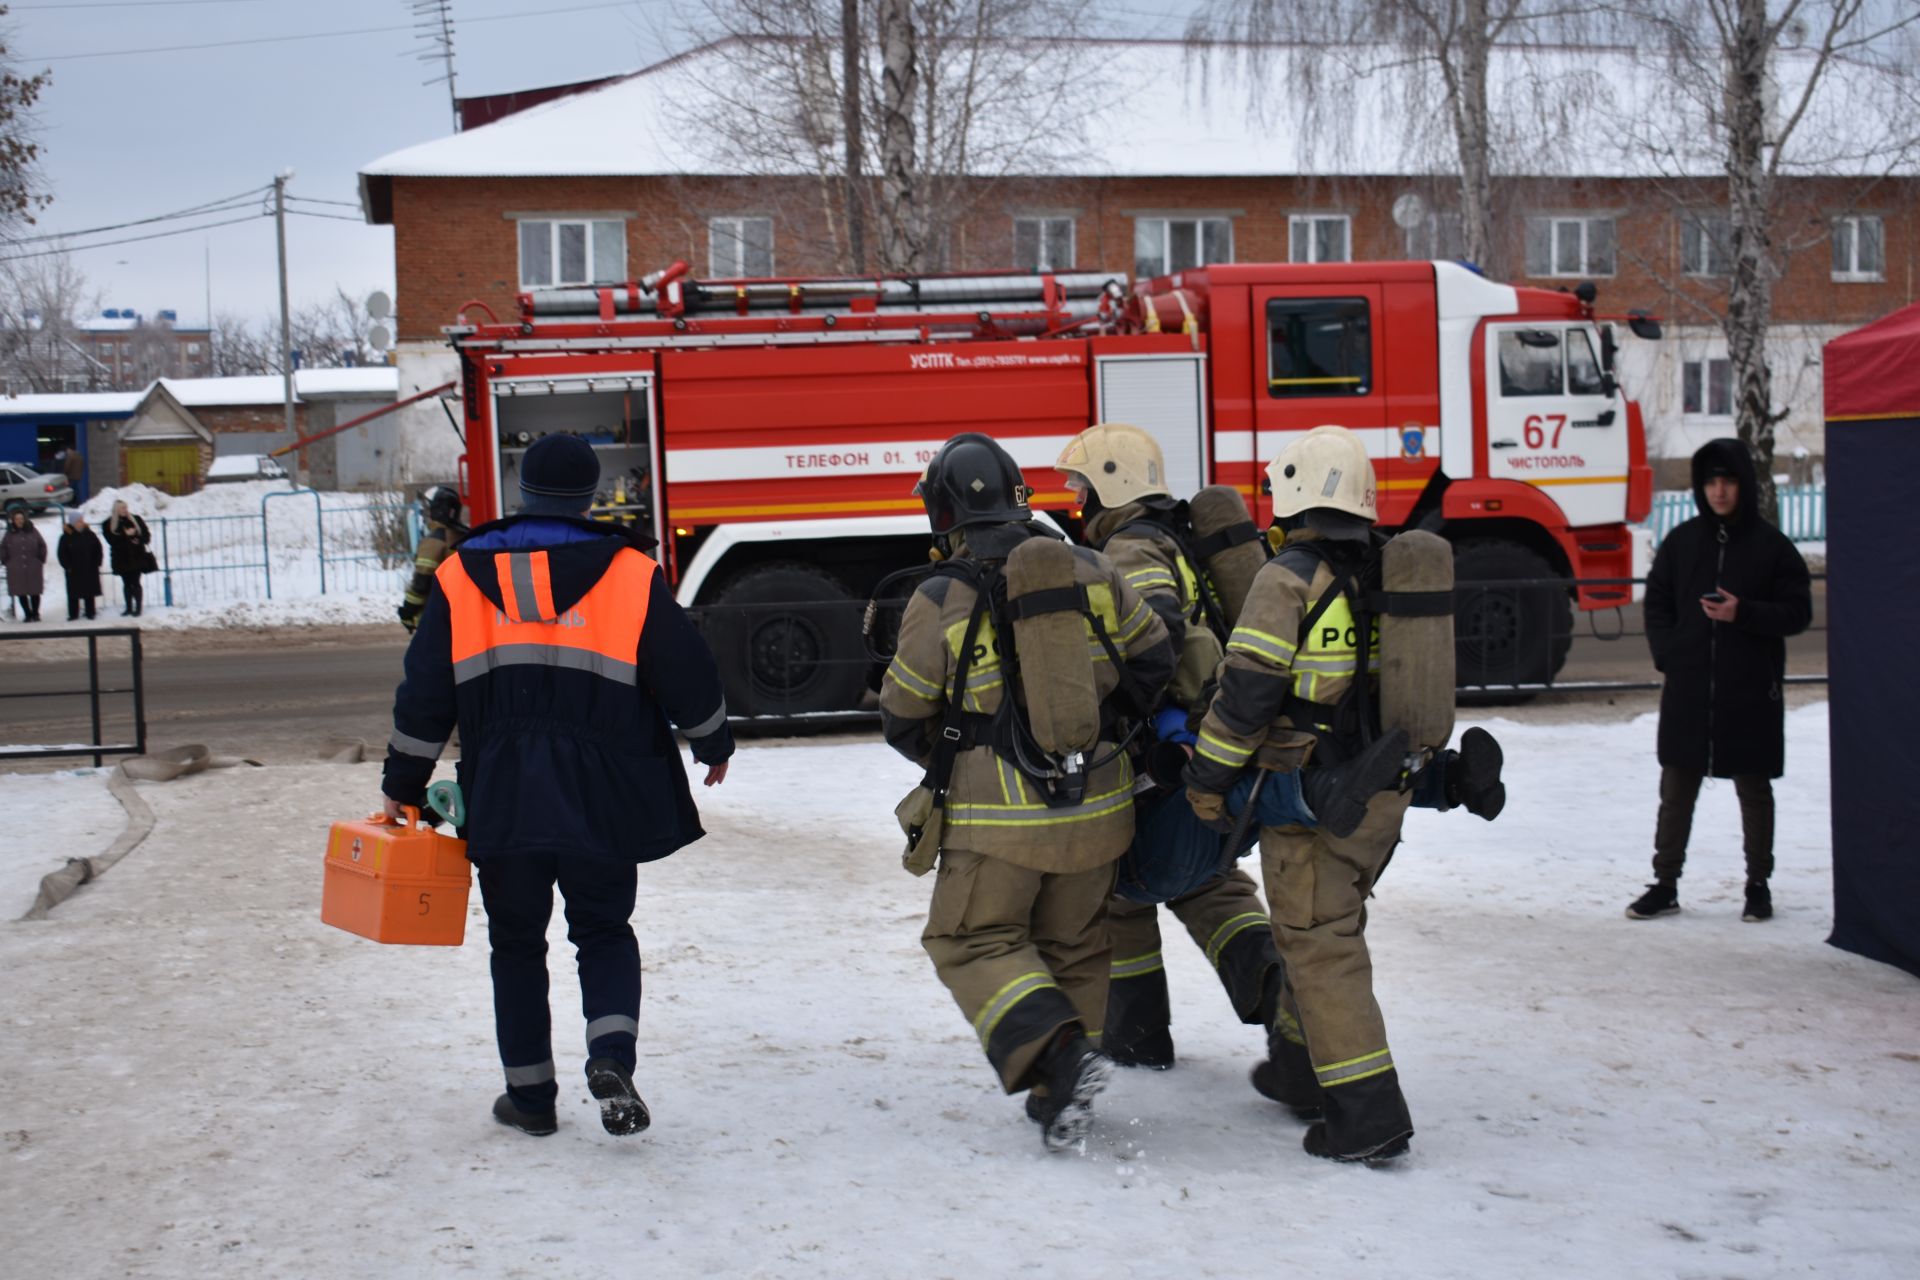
(557, 648)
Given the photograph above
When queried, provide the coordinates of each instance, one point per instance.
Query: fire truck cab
(769, 433)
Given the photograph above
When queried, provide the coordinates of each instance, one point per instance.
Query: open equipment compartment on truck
(769, 432)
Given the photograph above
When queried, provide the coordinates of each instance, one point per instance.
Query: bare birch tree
(1763, 92)
(1431, 65)
(41, 302)
(794, 95)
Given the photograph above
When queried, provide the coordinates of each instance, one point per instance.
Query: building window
(193, 348)
(1706, 388)
(556, 252)
(1569, 246)
(1319, 347)
(740, 246)
(1319, 237)
(1706, 244)
(1441, 234)
(1043, 244)
(1165, 245)
(1859, 248)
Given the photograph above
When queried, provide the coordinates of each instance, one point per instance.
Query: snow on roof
(90, 404)
(377, 382)
(1170, 113)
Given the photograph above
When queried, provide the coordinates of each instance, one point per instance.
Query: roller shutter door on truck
(1164, 394)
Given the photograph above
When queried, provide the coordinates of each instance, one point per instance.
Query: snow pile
(207, 1081)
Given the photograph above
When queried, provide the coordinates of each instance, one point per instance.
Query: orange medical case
(401, 884)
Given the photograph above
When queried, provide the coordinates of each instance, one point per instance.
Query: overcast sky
(132, 127)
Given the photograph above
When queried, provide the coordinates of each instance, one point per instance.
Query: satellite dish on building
(379, 305)
(379, 337)
(1409, 211)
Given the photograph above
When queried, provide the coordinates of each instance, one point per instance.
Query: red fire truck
(769, 432)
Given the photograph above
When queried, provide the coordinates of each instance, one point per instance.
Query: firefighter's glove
(1211, 808)
(409, 616)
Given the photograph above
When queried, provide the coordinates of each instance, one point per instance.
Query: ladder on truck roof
(670, 309)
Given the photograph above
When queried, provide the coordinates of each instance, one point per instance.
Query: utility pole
(286, 322)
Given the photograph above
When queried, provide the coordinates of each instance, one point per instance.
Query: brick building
(132, 350)
(601, 182)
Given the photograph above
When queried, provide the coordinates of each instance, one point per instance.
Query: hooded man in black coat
(1725, 591)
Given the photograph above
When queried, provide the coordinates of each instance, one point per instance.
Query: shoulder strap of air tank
(959, 726)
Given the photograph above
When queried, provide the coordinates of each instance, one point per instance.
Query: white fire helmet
(1325, 467)
(1121, 463)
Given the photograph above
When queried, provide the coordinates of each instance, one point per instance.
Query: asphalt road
(291, 697)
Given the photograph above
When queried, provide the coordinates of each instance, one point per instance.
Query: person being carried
(555, 646)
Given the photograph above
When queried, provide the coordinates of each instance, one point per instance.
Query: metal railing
(98, 747)
(317, 545)
(1803, 512)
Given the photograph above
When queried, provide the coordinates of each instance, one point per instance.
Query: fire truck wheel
(787, 638)
(1506, 635)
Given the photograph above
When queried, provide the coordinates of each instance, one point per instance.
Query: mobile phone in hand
(1714, 597)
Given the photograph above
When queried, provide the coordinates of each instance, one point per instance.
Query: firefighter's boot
(1138, 1031)
(1287, 1074)
(1366, 1122)
(1472, 775)
(1073, 1074)
(1339, 794)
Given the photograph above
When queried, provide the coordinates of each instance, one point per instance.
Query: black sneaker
(1154, 1051)
(1339, 794)
(621, 1110)
(1759, 902)
(537, 1123)
(1473, 775)
(1662, 898)
(1075, 1074)
(1315, 1144)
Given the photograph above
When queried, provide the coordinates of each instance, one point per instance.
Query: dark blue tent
(1873, 615)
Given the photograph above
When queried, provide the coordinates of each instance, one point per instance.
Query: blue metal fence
(319, 545)
(1803, 512)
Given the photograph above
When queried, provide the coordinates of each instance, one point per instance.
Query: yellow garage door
(174, 468)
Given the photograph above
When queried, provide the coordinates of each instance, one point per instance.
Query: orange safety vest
(600, 634)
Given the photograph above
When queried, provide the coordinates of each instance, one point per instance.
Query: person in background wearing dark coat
(127, 541)
(554, 645)
(74, 467)
(24, 553)
(80, 554)
(1725, 591)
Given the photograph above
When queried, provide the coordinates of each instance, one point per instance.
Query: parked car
(21, 487)
(235, 467)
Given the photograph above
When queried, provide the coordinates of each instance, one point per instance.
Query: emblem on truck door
(1413, 441)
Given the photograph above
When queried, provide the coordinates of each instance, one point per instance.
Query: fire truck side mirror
(1608, 346)
(1643, 325)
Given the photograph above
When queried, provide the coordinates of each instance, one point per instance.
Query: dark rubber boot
(1074, 1074)
(1473, 775)
(621, 1110)
(1662, 898)
(1138, 1014)
(1287, 1077)
(1339, 794)
(1759, 902)
(537, 1123)
(1366, 1121)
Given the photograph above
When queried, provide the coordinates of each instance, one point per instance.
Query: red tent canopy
(1875, 372)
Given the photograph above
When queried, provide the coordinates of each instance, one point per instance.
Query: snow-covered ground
(205, 1081)
(215, 551)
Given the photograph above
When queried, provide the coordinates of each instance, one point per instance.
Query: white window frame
(554, 222)
(1696, 245)
(737, 238)
(1165, 222)
(1301, 228)
(1705, 413)
(1041, 239)
(1557, 224)
(1853, 222)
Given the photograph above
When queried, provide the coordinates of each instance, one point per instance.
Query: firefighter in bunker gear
(1119, 477)
(440, 506)
(557, 649)
(1330, 1051)
(1016, 926)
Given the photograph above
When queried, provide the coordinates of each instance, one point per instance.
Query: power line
(323, 35)
(344, 204)
(225, 204)
(156, 235)
(333, 217)
(125, 4)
